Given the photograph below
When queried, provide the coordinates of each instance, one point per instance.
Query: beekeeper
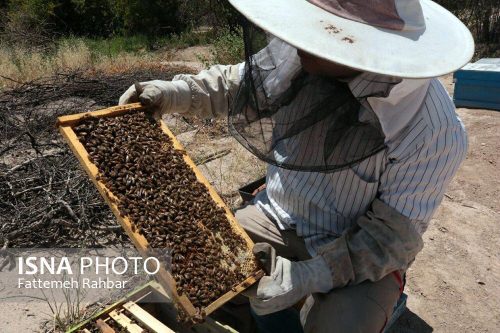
(340, 99)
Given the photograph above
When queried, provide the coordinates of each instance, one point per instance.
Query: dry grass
(19, 64)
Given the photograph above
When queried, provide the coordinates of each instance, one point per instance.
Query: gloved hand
(161, 96)
(289, 282)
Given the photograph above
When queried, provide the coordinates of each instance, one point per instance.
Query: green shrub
(148, 17)
(226, 48)
(85, 17)
(115, 45)
(98, 17)
(482, 17)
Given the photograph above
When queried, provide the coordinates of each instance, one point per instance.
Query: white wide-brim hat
(403, 38)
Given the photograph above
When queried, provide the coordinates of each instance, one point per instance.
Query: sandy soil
(454, 284)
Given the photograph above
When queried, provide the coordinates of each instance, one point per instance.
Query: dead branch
(4, 247)
(69, 210)
(208, 158)
(33, 227)
(47, 200)
(27, 190)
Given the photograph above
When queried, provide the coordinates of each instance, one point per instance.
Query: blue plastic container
(477, 85)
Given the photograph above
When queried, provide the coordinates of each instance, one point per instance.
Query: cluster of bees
(164, 201)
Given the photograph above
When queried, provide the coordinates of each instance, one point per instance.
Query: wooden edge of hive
(65, 124)
(135, 296)
(125, 321)
(229, 215)
(70, 120)
(81, 153)
(104, 327)
(145, 318)
(138, 240)
(213, 193)
(235, 291)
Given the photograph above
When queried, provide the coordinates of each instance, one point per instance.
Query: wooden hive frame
(132, 302)
(66, 124)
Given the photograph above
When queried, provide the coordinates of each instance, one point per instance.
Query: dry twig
(45, 197)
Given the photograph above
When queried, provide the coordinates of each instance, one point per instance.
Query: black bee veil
(295, 120)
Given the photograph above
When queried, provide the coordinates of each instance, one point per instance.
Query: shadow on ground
(410, 322)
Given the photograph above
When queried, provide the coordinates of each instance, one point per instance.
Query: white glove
(289, 283)
(162, 96)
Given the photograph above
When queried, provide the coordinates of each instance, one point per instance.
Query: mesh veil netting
(295, 120)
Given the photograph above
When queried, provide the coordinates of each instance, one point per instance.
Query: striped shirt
(425, 144)
(424, 138)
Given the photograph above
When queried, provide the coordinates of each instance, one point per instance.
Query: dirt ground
(454, 284)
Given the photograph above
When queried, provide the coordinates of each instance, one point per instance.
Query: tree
(481, 16)
(149, 17)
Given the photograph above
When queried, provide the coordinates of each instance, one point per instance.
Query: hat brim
(443, 47)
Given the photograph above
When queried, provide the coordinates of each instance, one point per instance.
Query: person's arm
(209, 93)
(388, 237)
(383, 241)
(212, 89)
(206, 94)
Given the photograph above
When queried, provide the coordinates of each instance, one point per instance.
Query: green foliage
(135, 44)
(111, 46)
(188, 38)
(227, 48)
(149, 17)
(108, 17)
(97, 17)
(215, 13)
(36, 9)
(195, 13)
(225, 15)
(36, 23)
(482, 17)
(85, 17)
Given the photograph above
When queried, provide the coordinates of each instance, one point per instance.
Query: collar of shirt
(395, 101)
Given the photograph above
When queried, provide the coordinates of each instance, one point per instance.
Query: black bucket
(247, 192)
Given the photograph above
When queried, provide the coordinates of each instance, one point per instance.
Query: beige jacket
(383, 241)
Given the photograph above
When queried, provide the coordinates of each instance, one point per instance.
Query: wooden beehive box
(248, 266)
(147, 308)
(477, 85)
